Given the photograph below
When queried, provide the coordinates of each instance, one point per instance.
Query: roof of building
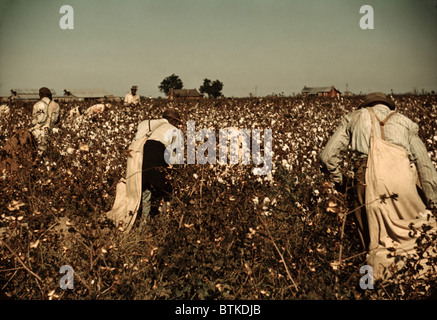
(86, 93)
(28, 93)
(316, 90)
(187, 93)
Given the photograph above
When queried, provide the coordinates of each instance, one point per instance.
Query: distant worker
(132, 99)
(45, 116)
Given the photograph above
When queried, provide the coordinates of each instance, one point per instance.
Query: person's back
(154, 152)
(354, 130)
(398, 129)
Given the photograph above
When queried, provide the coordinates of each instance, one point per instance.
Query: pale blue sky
(271, 45)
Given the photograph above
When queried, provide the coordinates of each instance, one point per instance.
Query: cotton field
(229, 234)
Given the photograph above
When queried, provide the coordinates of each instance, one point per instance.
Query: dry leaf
(15, 205)
(34, 244)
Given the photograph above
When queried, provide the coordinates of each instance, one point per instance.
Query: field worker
(45, 116)
(132, 99)
(155, 186)
(391, 160)
(146, 184)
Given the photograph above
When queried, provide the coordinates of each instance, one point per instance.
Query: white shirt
(45, 113)
(131, 99)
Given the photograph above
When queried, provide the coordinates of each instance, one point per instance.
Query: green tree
(211, 88)
(171, 82)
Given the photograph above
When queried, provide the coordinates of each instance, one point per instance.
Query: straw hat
(377, 97)
(171, 113)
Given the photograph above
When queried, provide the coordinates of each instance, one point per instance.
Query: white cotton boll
(4, 108)
(266, 213)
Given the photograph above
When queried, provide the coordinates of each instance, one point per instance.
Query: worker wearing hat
(155, 184)
(132, 99)
(146, 191)
(45, 115)
(354, 130)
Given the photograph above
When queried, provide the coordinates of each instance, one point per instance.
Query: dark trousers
(154, 174)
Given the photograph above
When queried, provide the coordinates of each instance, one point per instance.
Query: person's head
(375, 98)
(173, 116)
(134, 89)
(45, 93)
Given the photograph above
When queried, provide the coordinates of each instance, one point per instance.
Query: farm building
(184, 94)
(86, 94)
(26, 94)
(321, 92)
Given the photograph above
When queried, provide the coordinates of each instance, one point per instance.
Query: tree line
(212, 88)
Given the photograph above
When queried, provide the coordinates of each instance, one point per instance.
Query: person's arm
(54, 112)
(126, 99)
(425, 169)
(331, 154)
(136, 99)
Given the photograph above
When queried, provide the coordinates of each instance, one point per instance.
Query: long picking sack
(392, 203)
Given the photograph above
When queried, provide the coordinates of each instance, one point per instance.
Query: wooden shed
(321, 92)
(184, 94)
